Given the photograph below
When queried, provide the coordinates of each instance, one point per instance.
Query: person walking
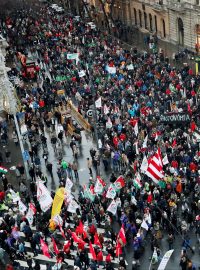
(89, 165)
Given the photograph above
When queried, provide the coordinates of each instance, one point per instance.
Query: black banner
(172, 118)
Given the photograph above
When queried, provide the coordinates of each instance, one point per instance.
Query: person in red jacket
(100, 257)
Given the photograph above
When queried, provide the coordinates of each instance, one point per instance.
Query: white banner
(14, 195)
(113, 207)
(111, 70)
(58, 220)
(144, 225)
(22, 207)
(73, 205)
(43, 196)
(144, 164)
(81, 73)
(98, 103)
(130, 67)
(165, 259)
(72, 56)
(68, 184)
(98, 187)
(165, 160)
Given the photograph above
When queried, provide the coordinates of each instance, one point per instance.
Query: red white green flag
(111, 192)
(137, 181)
(119, 183)
(99, 186)
(3, 170)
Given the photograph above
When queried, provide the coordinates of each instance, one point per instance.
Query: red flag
(77, 239)
(92, 251)
(96, 240)
(62, 232)
(101, 181)
(174, 143)
(189, 108)
(45, 249)
(122, 235)
(56, 250)
(118, 249)
(80, 230)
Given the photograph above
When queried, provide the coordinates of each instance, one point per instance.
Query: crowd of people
(132, 93)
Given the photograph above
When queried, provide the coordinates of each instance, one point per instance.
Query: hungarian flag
(99, 186)
(89, 193)
(122, 235)
(92, 251)
(96, 240)
(119, 183)
(137, 181)
(111, 192)
(44, 248)
(56, 250)
(118, 249)
(3, 170)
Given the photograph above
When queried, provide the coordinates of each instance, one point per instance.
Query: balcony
(158, 7)
(178, 7)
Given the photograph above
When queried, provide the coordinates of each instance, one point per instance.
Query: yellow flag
(57, 202)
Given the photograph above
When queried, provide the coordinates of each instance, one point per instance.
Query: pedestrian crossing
(43, 260)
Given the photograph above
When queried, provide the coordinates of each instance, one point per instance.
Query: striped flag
(137, 181)
(155, 167)
(3, 170)
(99, 186)
(122, 235)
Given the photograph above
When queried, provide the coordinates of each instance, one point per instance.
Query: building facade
(174, 21)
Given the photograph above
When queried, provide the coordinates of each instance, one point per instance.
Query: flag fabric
(122, 235)
(89, 193)
(136, 148)
(77, 239)
(154, 170)
(118, 249)
(136, 130)
(43, 196)
(80, 229)
(56, 250)
(58, 220)
(3, 170)
(57, 266)
(112, 208)
(68, 184)
(99, 186)
(174, 143)
(44, 248)
(165, 259)
(144, 225)
(144, 164)
(22, 207)
(96, 240)
(137, 181)
(33, 208)
(144, 145)
(119, 183)
(92, 251)
(105, 109)
(29, 216)
(58, 202)
(73, 205)
(154, 258)
(165, 160)
(189, 108)
(111, 192)
(14, 196)
(62, 232)
(98, 103)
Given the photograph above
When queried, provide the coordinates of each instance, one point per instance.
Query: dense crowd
(131, 90)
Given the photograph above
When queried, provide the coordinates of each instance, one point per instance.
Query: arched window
(145, 20)
(135, 16)
(180, 31)
(150, 23)
(140, 18)
(164, 30)
(155, 21)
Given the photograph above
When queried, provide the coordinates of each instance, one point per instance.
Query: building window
(135, 16)
(197, 2)
(180, 32)
(163, 26)
(150, 23)
(140, 18)
(145, 20)
(155, 21)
